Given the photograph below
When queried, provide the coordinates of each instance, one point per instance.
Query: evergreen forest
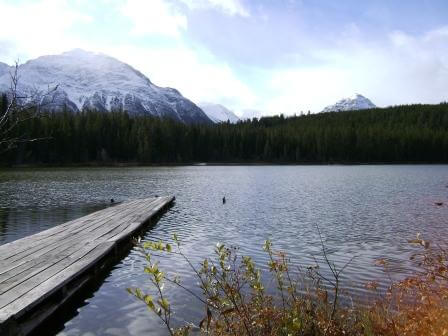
(399, 134)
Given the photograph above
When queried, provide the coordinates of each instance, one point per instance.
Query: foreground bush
(304, 303)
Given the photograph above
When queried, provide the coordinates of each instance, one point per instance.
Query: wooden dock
(39, 273)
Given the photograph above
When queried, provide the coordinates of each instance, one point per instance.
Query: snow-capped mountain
(218, 113)
(356, 102)
(101, 82)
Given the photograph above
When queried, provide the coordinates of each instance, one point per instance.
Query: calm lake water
(368, 212)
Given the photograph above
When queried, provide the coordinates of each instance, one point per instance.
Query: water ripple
(365, 212)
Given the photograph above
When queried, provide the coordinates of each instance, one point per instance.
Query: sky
(253, 56)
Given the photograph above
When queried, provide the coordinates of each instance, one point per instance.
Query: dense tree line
(414, 133)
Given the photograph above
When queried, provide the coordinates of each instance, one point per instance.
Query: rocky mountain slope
(356, 102)
(218, 113)
(101, 82)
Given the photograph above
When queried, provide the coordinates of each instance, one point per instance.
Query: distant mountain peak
(355, 102)
(218, 113)
(97, 81)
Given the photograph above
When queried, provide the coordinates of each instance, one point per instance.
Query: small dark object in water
(112, 200)
(438, 203)
(224, 200)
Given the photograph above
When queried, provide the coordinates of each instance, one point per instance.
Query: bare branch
(22, 107)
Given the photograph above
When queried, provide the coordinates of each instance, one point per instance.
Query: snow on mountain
(218, 113)
(356, 102)
(101, 82)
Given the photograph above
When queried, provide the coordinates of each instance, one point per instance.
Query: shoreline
(204, 164)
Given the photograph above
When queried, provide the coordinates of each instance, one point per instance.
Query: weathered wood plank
(55, 229)
(50, 285)
(35, 267)
(32, 264)
(58, 249)
(41, 248)
(130, 229)
(24, 287)
(24, 244)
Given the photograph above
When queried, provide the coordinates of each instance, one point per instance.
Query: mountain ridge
(218, 113)
(97, 81)
(355, 102)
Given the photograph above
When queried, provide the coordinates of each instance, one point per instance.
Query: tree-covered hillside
(414, 133)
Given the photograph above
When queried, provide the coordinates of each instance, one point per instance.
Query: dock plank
(26, 244)
(33, 268)
(40, 292)
(41, 248)
(31, 264)
(56, 229)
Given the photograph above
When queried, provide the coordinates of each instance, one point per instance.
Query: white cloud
(195, 73)
(395, 68)
(33, 28)
(440, 33)
(154, 17)
(193, 70)
(230, 7)
(402, 69)
(165, 17)
(303, 89)
(400, 39)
